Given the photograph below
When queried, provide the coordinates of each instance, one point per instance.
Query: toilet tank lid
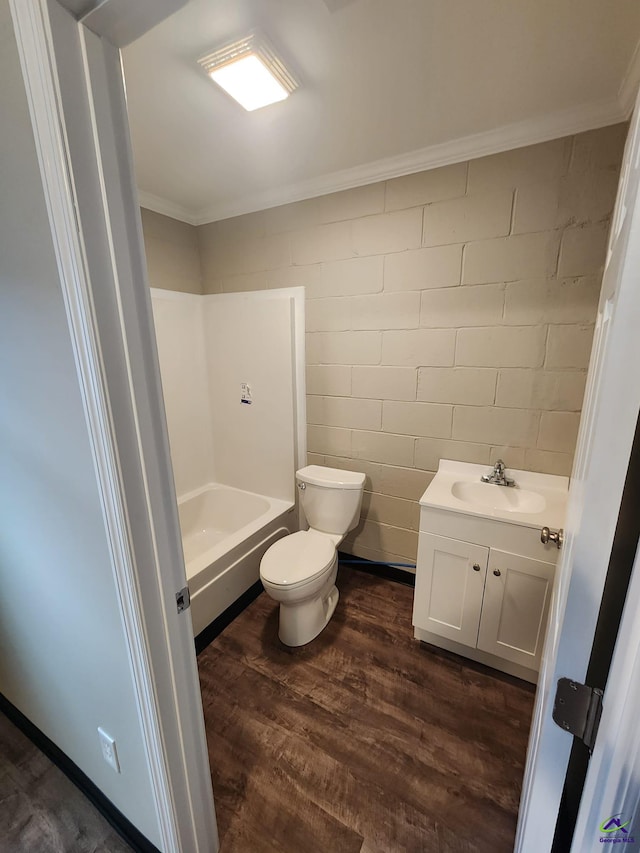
(318, 475)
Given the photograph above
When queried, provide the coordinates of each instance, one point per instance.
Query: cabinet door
(515, 608)
(450, 579)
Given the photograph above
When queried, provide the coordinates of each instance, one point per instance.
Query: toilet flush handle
(302, 486)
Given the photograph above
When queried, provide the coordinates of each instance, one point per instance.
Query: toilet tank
(331, 498)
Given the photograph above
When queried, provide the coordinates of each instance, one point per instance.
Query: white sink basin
(536, 500)
(501, 498)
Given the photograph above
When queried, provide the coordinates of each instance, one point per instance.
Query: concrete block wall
(449, 315)
(173, 253)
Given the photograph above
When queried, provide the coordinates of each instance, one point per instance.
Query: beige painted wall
(173, 256)
(449, 315)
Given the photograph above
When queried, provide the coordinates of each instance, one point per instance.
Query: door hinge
(577, 710)
(183, 599)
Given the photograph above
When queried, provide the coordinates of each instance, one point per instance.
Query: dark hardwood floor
(364, 741)
(41, 811)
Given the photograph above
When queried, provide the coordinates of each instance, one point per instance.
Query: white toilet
(300, 570)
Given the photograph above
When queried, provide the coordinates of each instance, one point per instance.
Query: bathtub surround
(180, 336)
(252, 340)
(208, 347)
(449, 315)
(232, 371)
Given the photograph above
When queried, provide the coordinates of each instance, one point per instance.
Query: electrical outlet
(109, 751)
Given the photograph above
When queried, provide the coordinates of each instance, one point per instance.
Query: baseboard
(213, 629)
(123, 826)
(382, 570)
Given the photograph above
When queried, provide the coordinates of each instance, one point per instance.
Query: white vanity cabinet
(483, 598)
(450, 579)
(515, 608)
(484, 583)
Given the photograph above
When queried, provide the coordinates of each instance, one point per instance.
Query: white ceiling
(387, 87)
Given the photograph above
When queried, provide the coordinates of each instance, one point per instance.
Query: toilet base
(302, 622)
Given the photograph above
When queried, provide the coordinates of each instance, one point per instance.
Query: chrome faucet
(497, 476)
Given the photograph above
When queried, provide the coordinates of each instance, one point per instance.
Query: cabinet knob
(476, 567)
(497, 572)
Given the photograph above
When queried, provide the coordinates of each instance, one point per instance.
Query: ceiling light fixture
(250, 72)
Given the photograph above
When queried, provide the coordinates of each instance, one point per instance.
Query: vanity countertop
(536, 500)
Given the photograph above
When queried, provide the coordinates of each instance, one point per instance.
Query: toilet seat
(297, 559)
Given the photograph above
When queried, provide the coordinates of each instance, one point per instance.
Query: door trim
(605, 440)
(132, 465)
(34, 39)
(613, 778)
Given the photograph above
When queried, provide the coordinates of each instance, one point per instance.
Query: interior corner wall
(449, 315)
(64, 661)
(172, 252)
(179, 324)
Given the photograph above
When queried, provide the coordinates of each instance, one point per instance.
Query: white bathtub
(225, 532)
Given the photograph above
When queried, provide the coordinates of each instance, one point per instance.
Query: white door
(515, 608)
(605, 439)
(449, 586)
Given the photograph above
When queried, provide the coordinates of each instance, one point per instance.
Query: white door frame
(605, 440)
(74, 87)
(612, 785)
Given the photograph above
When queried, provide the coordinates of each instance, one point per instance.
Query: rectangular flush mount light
(250, 72)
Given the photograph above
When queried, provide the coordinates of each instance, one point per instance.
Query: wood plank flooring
(364, 741)
(41, 811)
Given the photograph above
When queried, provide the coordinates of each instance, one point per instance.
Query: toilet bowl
(301, 576)
(299, 571)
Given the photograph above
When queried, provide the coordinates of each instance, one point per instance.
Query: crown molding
(517, 135)
(166, 208)
(630, 83)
